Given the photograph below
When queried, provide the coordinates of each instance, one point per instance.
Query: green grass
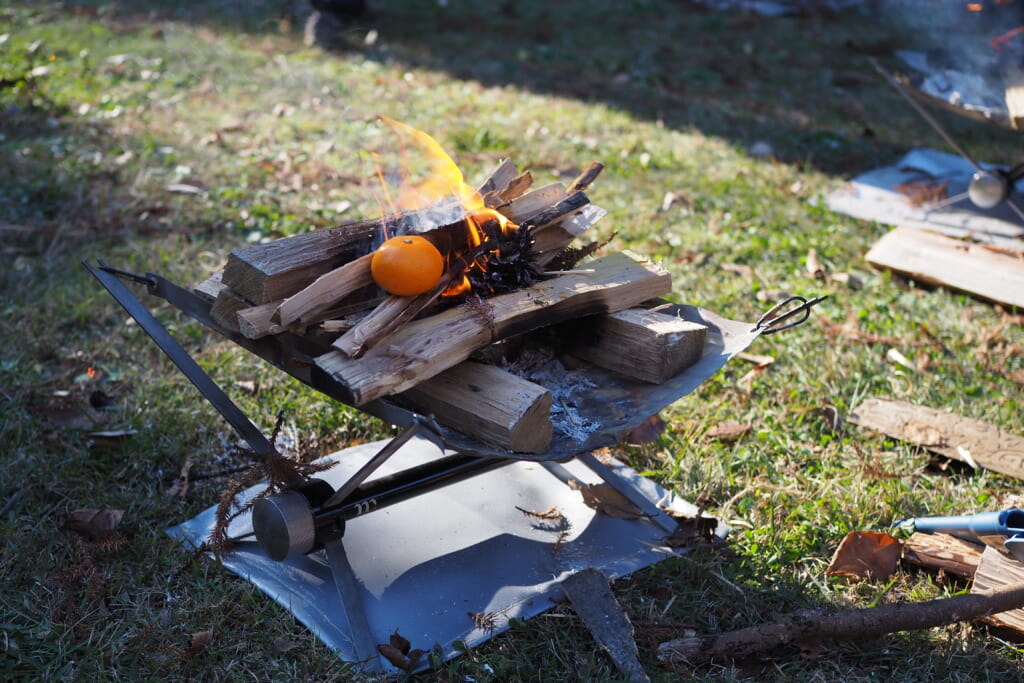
(280, 135)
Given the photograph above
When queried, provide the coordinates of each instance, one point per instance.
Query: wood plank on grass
(988, 273)
(948, 434)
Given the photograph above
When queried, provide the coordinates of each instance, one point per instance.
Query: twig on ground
(813, 625)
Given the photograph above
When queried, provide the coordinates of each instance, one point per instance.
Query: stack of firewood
(428, 352)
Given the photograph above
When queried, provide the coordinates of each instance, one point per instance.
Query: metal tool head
(284, 522)
(988, 189)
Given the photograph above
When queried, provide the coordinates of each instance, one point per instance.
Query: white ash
(540, 366)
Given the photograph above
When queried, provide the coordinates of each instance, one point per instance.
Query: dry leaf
(284, 644)
(607, 500)
(198, 641)
(814, 268)
(865, 555)
(648, 431)
(922, 434)
(94, 523)
(400, 643)
(728, 431)
(181, 484)
(393, 655)
(691, 531)
(898, 358)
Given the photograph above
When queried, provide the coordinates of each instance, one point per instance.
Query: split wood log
(516, 188)
(256, 322)
(225, 308)
(532, 203)
(549, 241)
(497, 182)
(641, 344)
(997, 571)
(816, 626)
(319, 295)
(941, 551)
(929, 258)
(488, 403)
(947, 434)
(584, 180)
(269, 272)
(425, 347)
(208, 289)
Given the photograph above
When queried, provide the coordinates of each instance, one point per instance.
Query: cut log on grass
(987, 273)
(941, 551)
(487, 403)
(816, 626)
(948, 434)
(273, 271)
(425, 347)
(319, 295)
(641, 344)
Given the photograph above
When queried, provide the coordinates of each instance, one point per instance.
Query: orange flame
(442, 179)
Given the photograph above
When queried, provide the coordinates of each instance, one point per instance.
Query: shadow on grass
(802, 84)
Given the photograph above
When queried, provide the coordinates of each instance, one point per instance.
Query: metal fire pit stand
(312, 514)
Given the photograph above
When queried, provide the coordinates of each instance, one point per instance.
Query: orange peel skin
(407, 265)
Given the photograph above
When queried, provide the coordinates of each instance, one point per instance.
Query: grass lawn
(106, 107)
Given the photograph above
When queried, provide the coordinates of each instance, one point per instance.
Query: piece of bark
(517, 187)
(815, 626)
(488, 403)
(593, 601)
(929, 258)
(584, 179)
(324, 292)
(273, 271)
(941, 551)
(225, 308)
(638, 343)
(996, 571)
(425, 347)
(948, 434)
(208, 289)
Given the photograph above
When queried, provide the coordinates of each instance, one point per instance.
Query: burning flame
(443, 180)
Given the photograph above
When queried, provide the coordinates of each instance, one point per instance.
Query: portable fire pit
(513, 359)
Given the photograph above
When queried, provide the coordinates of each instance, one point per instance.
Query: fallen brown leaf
(284, 644)
(865, 555)
(728, 431)
(648, 431)
(198, 642)
(94, 523)
(607, 500)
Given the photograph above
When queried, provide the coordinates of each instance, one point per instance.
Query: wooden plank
(488, 403)
(998, 570)
(425, 347)
(929, 258)
(942, 551)
(325, 291)
(947, 434)
(533, 202)
(273, 271)
(638, 343)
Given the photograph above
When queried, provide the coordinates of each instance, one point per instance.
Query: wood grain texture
(930, 258)
(487, 403)
(276, 270)
(641, 344)
(947, 434)
(426, 347)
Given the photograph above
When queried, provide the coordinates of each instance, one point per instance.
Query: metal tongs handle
(775, 320)
(1001, 530)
